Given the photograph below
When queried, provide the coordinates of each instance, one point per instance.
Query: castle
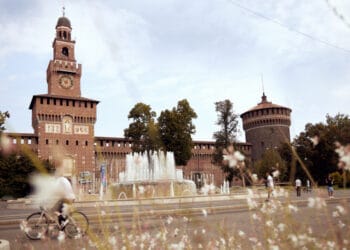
(63, 123)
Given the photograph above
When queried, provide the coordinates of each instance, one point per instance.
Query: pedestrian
(308, 186)
(269, 185)
(298, 186)
(329, 183)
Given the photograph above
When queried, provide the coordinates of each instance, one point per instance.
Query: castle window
(57, 142)
(47, 141)
(48, 101)
(73, 103)
(64, 35)
(22, 141)
(65, 51)
(86, 143)
(76, 143)
(67, 142)
(91, 105)
(29, 141)
(41, 100)
(85, 104)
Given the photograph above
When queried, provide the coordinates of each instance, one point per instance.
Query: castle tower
(266, 126)
(62, 120)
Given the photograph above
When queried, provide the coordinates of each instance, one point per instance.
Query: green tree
(143, 131)
(226, 136)
(3, 117)
(15, 170)
(269, 162)
(176, 129)
(315, 147)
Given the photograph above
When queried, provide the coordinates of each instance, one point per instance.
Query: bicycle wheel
(36, 226)
(78, 225)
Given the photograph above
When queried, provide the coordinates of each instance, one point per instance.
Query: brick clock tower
(62, 120)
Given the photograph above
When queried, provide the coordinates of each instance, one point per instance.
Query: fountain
(151, 175)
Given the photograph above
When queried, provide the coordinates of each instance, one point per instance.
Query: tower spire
(263, 98)
(262, 83)
(63, 11)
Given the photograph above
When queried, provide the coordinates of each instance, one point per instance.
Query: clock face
(66, 82)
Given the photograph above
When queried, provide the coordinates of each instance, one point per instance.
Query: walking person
(298, 186)
(308, 186)
(329, 183)
(269, 186)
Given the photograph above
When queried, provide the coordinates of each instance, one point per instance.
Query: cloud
(161, 51)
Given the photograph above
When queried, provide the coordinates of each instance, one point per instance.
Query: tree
(315, 147)
(271, 161)
(143, 131)
(15, 170)
(176, 129)
(226, 136)
(3, 117)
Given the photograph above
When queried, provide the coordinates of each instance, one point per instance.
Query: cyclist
(65, 195)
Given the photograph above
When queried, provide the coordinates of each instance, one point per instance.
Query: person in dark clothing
(329, 183)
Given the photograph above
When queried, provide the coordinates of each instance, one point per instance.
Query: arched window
(65, 51)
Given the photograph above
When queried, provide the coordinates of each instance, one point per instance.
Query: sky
(159, 52)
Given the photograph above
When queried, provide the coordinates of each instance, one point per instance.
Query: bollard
(4, 245)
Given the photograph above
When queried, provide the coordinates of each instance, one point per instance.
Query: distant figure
(329, 183)
(269, 185)
(308, 186)
(298, 186)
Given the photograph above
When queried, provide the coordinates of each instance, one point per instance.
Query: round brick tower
(266, 126)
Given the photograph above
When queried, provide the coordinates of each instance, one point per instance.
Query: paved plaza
(201, 219)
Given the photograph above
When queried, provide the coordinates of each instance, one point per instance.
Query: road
(200, 222)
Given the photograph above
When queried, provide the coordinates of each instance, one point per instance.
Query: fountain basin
(152, 189)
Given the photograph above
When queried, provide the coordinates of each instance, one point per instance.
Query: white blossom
(112, 240)
(233, 157)
(252, 203)
(61, 236)
(341, 209)
(292, 208)
(241, 233)
(169, 220)
(331, 244)
(341, 224)
(269, 223)
(317, 202)
(255, 177)
(276, 173)
(281, 227)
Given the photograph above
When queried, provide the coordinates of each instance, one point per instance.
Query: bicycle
(37, 225)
